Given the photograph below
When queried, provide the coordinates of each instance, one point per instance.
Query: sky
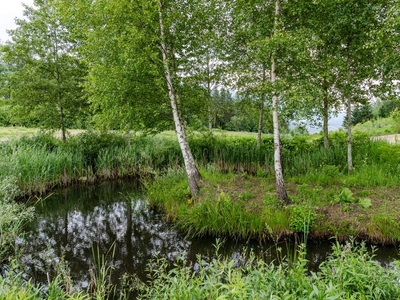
(9, 10)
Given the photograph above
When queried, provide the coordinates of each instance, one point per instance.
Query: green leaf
(364, 202)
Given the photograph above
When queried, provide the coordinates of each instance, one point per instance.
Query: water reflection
(77, 221)
(97, 221)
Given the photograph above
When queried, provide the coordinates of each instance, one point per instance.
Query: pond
(74, 224)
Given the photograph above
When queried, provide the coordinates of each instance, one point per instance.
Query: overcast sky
(9, 10)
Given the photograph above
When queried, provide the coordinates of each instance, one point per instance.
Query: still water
(73, 224)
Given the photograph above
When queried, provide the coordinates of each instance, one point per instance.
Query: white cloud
(10, 9)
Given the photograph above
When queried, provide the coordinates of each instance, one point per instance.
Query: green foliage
(395, 115)
(346, 197)
(385, 108)
(302, 218)
(14, 286)
(46, 73)
(13, 216)
(100, 274)
(357, 275)
(349, 273)
(91, 143)
(5, 119)
(385, 226)
(380, 126)
(361, 114)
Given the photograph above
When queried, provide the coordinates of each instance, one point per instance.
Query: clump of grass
(302, 218)
(220, 216)
(384, 228)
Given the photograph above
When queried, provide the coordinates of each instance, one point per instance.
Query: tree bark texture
(325, 121)
(261, 113)
(190, 166)
(349, 142)
(280, 182)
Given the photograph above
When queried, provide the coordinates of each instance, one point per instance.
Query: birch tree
(280, 182)
(348, 29)
(134, 79)
(190, 165)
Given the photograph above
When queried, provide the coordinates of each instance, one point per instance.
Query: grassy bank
(238, 197)
(243, 206)
(238, 193)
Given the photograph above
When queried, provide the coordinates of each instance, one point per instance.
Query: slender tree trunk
(261, 113)
(325, 121)
(349, 142)
(280, 182)
(210, 120)
(62, 123)
(190, 166)
(260, 123)
(210, 114)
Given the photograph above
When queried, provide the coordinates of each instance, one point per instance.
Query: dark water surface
(73, 223)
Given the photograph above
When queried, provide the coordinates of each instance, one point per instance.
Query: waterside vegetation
(237, 196)
(237, 199)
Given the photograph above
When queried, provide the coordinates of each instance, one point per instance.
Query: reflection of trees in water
(138, 232)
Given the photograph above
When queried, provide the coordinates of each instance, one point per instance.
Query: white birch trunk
(261, 113)
(190, 166)
(349, 143)
(260, 122)
(209, 96)
(280, 183)
(325, 114)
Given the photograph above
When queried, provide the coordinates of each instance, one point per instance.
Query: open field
(390, 138)
(7, 133)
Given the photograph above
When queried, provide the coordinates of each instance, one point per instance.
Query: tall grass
(221, 217)
(42, 162)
